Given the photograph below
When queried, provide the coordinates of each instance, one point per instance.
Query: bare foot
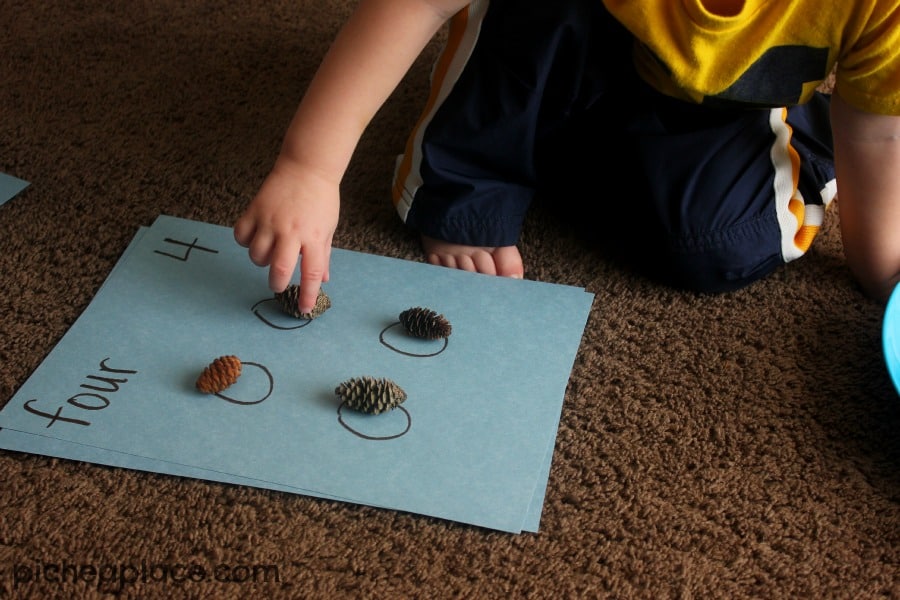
(503, 260)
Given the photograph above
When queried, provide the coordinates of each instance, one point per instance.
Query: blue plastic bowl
(890, 337)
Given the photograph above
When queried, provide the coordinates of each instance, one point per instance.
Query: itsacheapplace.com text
(116, 577)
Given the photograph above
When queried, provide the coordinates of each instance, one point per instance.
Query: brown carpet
(736, 446)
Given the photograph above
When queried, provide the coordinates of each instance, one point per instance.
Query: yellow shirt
(767, 52)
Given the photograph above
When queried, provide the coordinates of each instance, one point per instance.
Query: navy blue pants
(540, 98)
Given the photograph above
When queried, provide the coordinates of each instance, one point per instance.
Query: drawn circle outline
(398, 350)
(273, 325)
(251, 402)
(375, 437)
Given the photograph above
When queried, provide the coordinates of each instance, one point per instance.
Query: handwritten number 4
(187, 246)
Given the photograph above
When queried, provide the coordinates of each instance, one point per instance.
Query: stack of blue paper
(472, 443)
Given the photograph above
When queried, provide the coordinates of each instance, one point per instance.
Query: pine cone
(425, 323)
(220, 374)
(288, 302)
(370, 395)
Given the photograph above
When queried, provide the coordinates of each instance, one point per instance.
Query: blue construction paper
(10, 186)
(46, 446)
(480, 421)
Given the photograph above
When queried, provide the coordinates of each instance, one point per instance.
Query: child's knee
(717, 270)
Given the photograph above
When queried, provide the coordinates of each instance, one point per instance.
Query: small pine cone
(370, 395)
(288, 302)
(220, 374)
(425, 323)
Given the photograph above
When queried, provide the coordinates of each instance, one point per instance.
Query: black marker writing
(188, 247)
(305, 320)
(80, 400)
(374, 437)
(384, 342)
(249, 402)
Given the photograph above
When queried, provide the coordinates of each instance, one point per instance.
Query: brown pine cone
(288, 302)
(425, 323)
(370, 395)
(219, 374)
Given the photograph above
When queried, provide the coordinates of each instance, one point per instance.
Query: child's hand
(295, 212)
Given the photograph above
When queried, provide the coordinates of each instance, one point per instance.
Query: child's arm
(867, 166)
(296, 209)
